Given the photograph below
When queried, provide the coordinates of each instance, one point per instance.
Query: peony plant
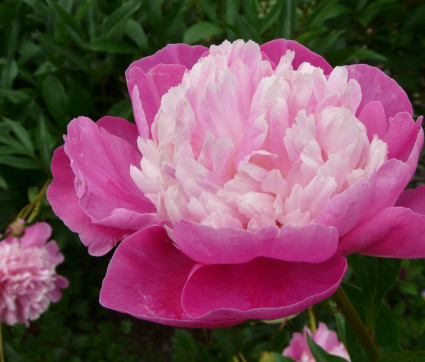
(250, 174)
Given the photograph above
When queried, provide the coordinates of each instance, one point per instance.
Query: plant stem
(312, 318)
(354, 320)
(1, 346)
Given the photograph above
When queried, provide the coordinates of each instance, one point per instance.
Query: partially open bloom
(260, 167)
(327, 339)
(28, 278)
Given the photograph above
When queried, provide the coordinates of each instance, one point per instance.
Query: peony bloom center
(241, 144)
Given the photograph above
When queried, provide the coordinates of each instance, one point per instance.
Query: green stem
(312, 318)
(354, 320)
(1, 347)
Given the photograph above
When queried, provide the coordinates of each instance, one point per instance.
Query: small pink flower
(250, 172)
(327, 339)
(28, 280)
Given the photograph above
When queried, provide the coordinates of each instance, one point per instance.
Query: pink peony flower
(260, 166)
(28, 280)
(327, 339)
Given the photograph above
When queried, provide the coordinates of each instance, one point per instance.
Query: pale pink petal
(395, 232)
(373, 117)
(36, 235)
(102, 180)
(276, 48)
(260, 289)
(64, 201)
(377, 86)
(312, 243)
(145, 278)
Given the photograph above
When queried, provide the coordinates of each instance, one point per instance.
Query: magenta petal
(395, 232)
(61, 195)
(373, 117)
(145, 278)
(366, 197)
(101, 164)
(260, 289)
(275, 49)
(377, 86)
(312, 243)
(183, 54)
(36, 235)
(121, 128)
(401, 135)
(413, 199)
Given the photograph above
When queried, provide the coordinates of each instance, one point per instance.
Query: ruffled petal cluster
(250, 172)
(28, 278)
(327, 339)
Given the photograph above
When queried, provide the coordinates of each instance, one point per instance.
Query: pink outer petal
(260, 289)
(377, 86)
(35, 235)
(366, 197)
(101, 163)
(373, 117)
(275, 49)
(145, 278)
(121, 128)
(155, 75)
(413, 199)
(395, 232)
(312, 243)
(63, 198)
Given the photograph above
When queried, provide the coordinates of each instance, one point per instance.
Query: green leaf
(274, 357)
(320, 354)
(200, 31)
(386, 331)
(44, 142)
(405, 356)
(21, 134)
(209, 8)
(109, 45)
(362, 54)
(3, 183)
(375, 276)
(135, 31)
(56, 100)
(288, 23)
(75, 31)
(118, 18)
(14, 96)
(19, 162)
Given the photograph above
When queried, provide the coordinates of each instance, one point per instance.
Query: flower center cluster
(241, 144)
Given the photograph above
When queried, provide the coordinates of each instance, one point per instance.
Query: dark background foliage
(60, 59)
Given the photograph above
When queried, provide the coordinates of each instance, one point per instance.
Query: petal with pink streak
(312, 243)
(101, 164)
(366, 197)
(183, 54)
(64, 201)
(121, 128)
(401, 135)
(145, 278)
(395, 232)
(151, 87)
(275, 49)
(36, 235)
(377, 86)
(373, 117)
(260, 289)
(413, 199)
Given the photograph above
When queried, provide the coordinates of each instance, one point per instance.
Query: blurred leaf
(14, 96)
(288, 21)
(74, 29)
(405, 356)
(135, 31)
(375, 276)
(22, 135)
(200, 31)
(118, 18)
(274, 357)
(19, 162)
(209, 8)
(251, 11)
(109, 45)
(320, 354)
(44, 142)
(56, 100)
(386, 331)
(3, 183)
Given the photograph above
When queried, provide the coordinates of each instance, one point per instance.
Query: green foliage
(60, 59)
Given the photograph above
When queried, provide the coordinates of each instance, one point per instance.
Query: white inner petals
(242, 145)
